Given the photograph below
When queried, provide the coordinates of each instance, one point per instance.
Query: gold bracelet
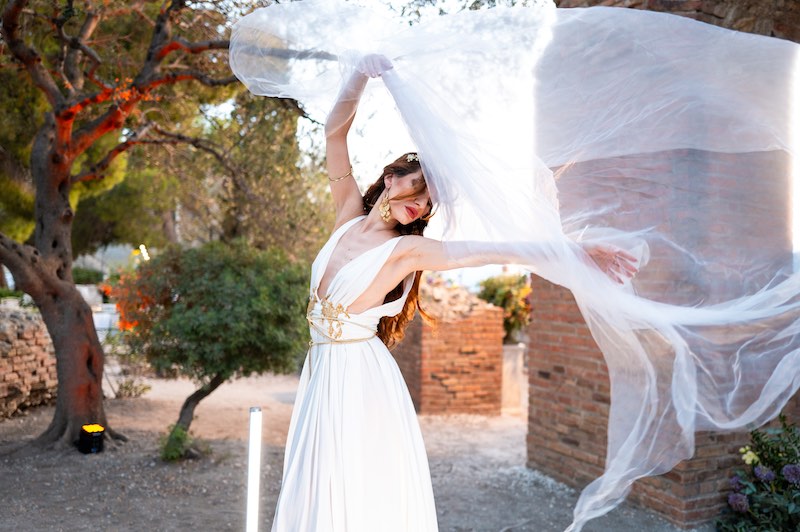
(340, 178)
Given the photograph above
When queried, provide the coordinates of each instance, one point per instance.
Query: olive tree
(111, 75)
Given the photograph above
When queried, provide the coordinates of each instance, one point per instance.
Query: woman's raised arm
(346, 196)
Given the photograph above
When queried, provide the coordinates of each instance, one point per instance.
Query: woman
(652, 133)
(355, 459)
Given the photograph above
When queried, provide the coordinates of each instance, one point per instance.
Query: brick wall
(456, 365)
(568, 414)
(27, 362)
(569, 388)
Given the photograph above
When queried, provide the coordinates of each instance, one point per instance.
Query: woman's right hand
(618, 264)
(373, 65)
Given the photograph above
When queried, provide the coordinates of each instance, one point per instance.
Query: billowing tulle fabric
(539, 128)
(355, 460)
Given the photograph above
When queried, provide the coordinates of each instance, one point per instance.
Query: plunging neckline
(346, 227)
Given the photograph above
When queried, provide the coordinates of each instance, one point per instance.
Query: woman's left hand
(619, 265)
(373, 65)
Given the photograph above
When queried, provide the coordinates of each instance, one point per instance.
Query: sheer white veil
(541, 127)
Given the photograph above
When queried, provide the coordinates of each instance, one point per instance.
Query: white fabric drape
(539, 127)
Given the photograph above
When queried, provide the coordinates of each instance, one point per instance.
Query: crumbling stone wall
(27, 361)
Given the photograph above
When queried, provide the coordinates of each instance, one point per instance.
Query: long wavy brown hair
(391, 329)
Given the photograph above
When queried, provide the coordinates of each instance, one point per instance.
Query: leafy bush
(766, 495)
(86, 276)
(512, 293)
(175, 444)
(212, 313)
(218, 310)
(128, 381)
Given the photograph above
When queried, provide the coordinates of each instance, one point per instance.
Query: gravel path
(477, 464)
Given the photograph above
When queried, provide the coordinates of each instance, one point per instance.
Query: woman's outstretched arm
(420, 253)
(346, 196)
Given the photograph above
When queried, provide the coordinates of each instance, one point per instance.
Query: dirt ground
(477, 463)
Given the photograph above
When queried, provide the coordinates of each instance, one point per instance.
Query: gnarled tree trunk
(80, 366)
(187, 410)
(45, 272)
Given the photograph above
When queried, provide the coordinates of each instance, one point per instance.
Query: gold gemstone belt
(331, 313)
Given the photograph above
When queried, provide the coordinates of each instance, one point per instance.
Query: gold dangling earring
(384, 208)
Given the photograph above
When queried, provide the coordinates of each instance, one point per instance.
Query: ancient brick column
(569, 388)
(568, 414)
(454, 366)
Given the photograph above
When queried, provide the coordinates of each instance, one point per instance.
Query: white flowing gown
(355, 460)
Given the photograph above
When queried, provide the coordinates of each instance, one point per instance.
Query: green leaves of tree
(218, 309)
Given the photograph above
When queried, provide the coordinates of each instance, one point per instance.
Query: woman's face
(406, 204)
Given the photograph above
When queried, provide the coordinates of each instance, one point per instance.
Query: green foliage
(86, 275)
(766, 495)
(173, 446)
(128, 381)
(131, 213)
(268, 193)
(7, 292)
(420, 10)
(16, 208)
(121, 39)
(512, 293)
(22, 106)
(216, 310)
(131, 388)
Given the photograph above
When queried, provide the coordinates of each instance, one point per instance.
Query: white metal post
(253, 469)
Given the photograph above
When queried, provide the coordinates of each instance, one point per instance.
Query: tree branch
(77, 47)
(28, 56)
(114, 117)
(111, 120)
(144, 82)
(161, 34)
(96, 171)
(134, 6)
(287, 53)
(293, 105)
(104, 95)
(23, 261)
(210, 148)
(183, 75)
(192, 47)
(201, 144)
